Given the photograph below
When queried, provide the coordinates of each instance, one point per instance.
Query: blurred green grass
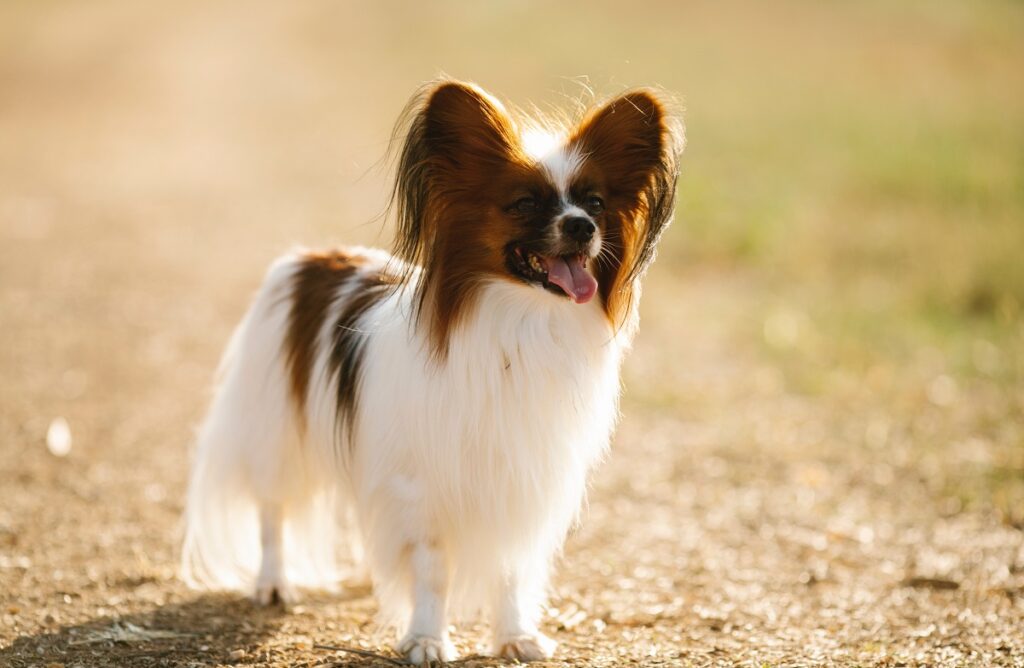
(868, 163)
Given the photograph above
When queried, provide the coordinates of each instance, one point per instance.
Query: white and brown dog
(453, 397)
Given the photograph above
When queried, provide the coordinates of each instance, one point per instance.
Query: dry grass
(822, 456)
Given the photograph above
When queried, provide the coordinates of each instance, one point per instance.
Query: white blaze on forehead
(548, 149)
(539, 143)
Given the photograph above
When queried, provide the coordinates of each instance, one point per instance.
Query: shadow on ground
(213, 629)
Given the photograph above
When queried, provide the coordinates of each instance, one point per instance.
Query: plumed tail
(249, 456)
(222, 551)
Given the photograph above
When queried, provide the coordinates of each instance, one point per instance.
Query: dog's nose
(579, 228)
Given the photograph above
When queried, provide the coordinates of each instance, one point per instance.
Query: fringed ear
(457, 136)
(636, 142)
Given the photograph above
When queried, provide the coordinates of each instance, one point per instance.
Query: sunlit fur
(451, 408)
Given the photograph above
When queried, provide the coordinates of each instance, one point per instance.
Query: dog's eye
(525, 206)
(595, 205)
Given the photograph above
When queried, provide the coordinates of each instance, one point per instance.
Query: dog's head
(573, 211)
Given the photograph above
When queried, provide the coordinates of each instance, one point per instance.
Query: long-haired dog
(450, 398)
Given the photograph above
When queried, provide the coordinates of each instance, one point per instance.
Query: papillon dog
(439, 409)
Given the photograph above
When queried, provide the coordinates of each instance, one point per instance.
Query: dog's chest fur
(522, 405)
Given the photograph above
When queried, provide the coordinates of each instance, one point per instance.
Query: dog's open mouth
(566, 275)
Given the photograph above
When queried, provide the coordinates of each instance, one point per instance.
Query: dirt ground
(154, 159)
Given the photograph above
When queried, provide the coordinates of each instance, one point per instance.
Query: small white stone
(58, 437)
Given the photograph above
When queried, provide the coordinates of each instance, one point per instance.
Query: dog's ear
(634, 141)
(455, 135)
(625, 138)
(466, 130)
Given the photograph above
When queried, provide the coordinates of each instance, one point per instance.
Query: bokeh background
(821, 459)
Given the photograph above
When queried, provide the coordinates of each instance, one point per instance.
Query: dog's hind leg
(272, 584)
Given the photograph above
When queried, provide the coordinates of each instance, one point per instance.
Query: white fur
(548, 149)
(464, 475)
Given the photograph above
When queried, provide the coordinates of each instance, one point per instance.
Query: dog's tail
(250, 455)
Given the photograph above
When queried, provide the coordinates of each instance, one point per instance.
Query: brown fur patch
(460, 157)
(346, 357)
(314, 286)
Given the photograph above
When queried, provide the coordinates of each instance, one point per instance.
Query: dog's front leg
(427, 637)
(516, 614)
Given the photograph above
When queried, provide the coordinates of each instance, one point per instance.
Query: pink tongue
(572, 277)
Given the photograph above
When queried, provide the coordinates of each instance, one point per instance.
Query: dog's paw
(527, 647)
(275, 591)
(421, 650)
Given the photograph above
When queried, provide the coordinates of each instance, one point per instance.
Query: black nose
(579, 228)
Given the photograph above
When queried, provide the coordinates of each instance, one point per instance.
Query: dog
(450, 398)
